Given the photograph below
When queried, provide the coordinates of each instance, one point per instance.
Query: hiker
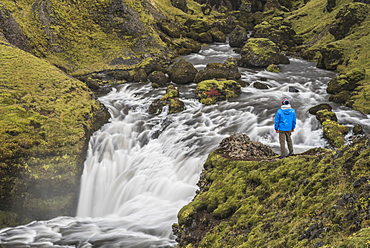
(285, 120)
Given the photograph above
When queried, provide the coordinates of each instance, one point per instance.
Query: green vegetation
(316, 198)
(315, 25)
(45, 117)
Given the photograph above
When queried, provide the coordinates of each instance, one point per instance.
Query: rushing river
(141, 169)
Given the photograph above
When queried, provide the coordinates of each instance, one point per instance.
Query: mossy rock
(211, 91)
(348, 17)
(182, 72)
(334, 132)
(331, 57)
(321, 106)
(46, 119)
(227, 70)
(170, 99)
(261, 52)
(325, 114)
(273, 68)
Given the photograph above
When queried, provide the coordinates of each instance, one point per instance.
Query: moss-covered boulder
(334, 132)
(170, 99)
(182, 72)
(227, 70)
(261, 52)
(158, 79)
(313, 110)
(277, 30)
(46, 119)
(347, 18)
(346, 81)
(314, 199)
(238, 37)
(273, 68)
(325, 114)
(217, 35)
(331, 56)
(211, 91)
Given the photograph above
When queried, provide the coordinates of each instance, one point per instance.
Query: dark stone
(260, 86)
(319, 107)
(159, 78)
(293, 89)
(9, 27)
(182, 72)
(238, 37)
(357, 129)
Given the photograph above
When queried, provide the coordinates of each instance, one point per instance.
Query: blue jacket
(285, 118)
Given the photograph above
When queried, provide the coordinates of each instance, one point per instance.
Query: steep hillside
(46, 117)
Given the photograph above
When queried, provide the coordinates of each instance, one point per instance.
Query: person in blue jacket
(285, 121)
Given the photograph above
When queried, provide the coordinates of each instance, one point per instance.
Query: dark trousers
(285, 136)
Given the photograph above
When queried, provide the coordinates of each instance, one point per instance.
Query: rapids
(141, 168)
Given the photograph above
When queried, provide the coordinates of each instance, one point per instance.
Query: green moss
(283, 203)
(334, 132)
(44, 117)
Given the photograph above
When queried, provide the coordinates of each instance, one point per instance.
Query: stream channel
(141, 168)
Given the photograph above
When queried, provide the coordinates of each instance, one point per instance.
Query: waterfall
(141, 169)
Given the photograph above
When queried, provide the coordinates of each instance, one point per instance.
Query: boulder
(205, 37)
(217, 35)
(346, 82)
(261, 86)
(261, 52)
(341, 97)
(170, 29)
(182, 72)
(170, 99)
(238, 37)
(273, 68)
(227, 70)
(211, 91)
(357, 129)
(349, 16)
(278, 31)
(325, 115)
(240, 147)
(331, 56)
(319, 107)
(158, 78)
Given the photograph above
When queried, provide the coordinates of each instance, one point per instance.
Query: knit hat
(285, 101)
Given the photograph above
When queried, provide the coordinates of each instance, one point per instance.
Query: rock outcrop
(261, 52)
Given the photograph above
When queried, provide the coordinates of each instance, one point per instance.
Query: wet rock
(158, 78)
(348, 16)
(211, 91)
(324, 115)
(140, 76)
(170, 99)
(240, 147)
(341, 97)
(261, 52)
(182, 72)
(227, 70)
(357, 129)
(238, 37)
(319, 107)
(293, 89)
(261, 86)
(273, 68)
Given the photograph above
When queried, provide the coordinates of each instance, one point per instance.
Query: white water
(141, 169)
